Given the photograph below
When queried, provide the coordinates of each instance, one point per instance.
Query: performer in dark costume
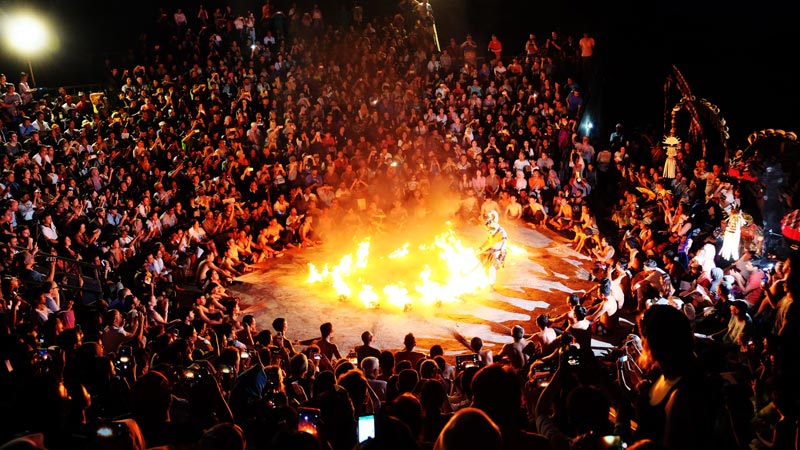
(493, 250)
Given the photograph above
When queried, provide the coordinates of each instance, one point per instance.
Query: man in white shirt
(143, 208)
(168, 218)
(48, 229)
(197, 233)
(40, 124)
(42, 157)
(521, 163)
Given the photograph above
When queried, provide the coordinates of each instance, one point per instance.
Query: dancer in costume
(493, 251)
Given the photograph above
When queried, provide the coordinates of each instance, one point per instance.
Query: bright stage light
(26, 34)
(29, 36)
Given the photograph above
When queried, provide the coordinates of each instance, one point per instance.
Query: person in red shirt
(496, 47)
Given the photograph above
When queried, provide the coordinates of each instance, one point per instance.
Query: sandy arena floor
(533, 281)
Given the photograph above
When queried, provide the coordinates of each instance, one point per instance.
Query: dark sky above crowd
(739, 57)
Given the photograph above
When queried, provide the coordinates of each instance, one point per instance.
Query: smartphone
(613, 442)
(273, 379)
(464, 361)
(572, 356)
(366, 427)
(44, 354)
(308, 420)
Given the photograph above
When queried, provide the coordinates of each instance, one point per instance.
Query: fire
(411, 275)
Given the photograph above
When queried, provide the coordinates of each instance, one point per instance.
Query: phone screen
(366, 427)
(464, 361)
(613, 442)
(308, 420)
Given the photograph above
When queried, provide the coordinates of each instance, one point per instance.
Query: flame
(411, 275)
(400, 252)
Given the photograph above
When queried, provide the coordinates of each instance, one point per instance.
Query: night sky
(740, 58)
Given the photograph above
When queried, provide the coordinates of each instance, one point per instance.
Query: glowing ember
(415, 274)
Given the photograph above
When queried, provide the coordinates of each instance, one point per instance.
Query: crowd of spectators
(231, 137)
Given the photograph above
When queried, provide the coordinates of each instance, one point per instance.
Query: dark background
(741, 58)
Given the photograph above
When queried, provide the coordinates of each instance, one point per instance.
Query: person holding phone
(279, 339)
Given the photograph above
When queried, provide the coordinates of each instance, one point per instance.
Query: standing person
(531, 48)
(676, 406)
(11, 106)
(493, 250)
(733, 234)
(586, 44)
(25, 90)
(470, 51)
(495, 47)
(670, 165)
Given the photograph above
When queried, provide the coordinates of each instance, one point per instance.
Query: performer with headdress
(732, 236)
(493, 251)
(671, 145)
